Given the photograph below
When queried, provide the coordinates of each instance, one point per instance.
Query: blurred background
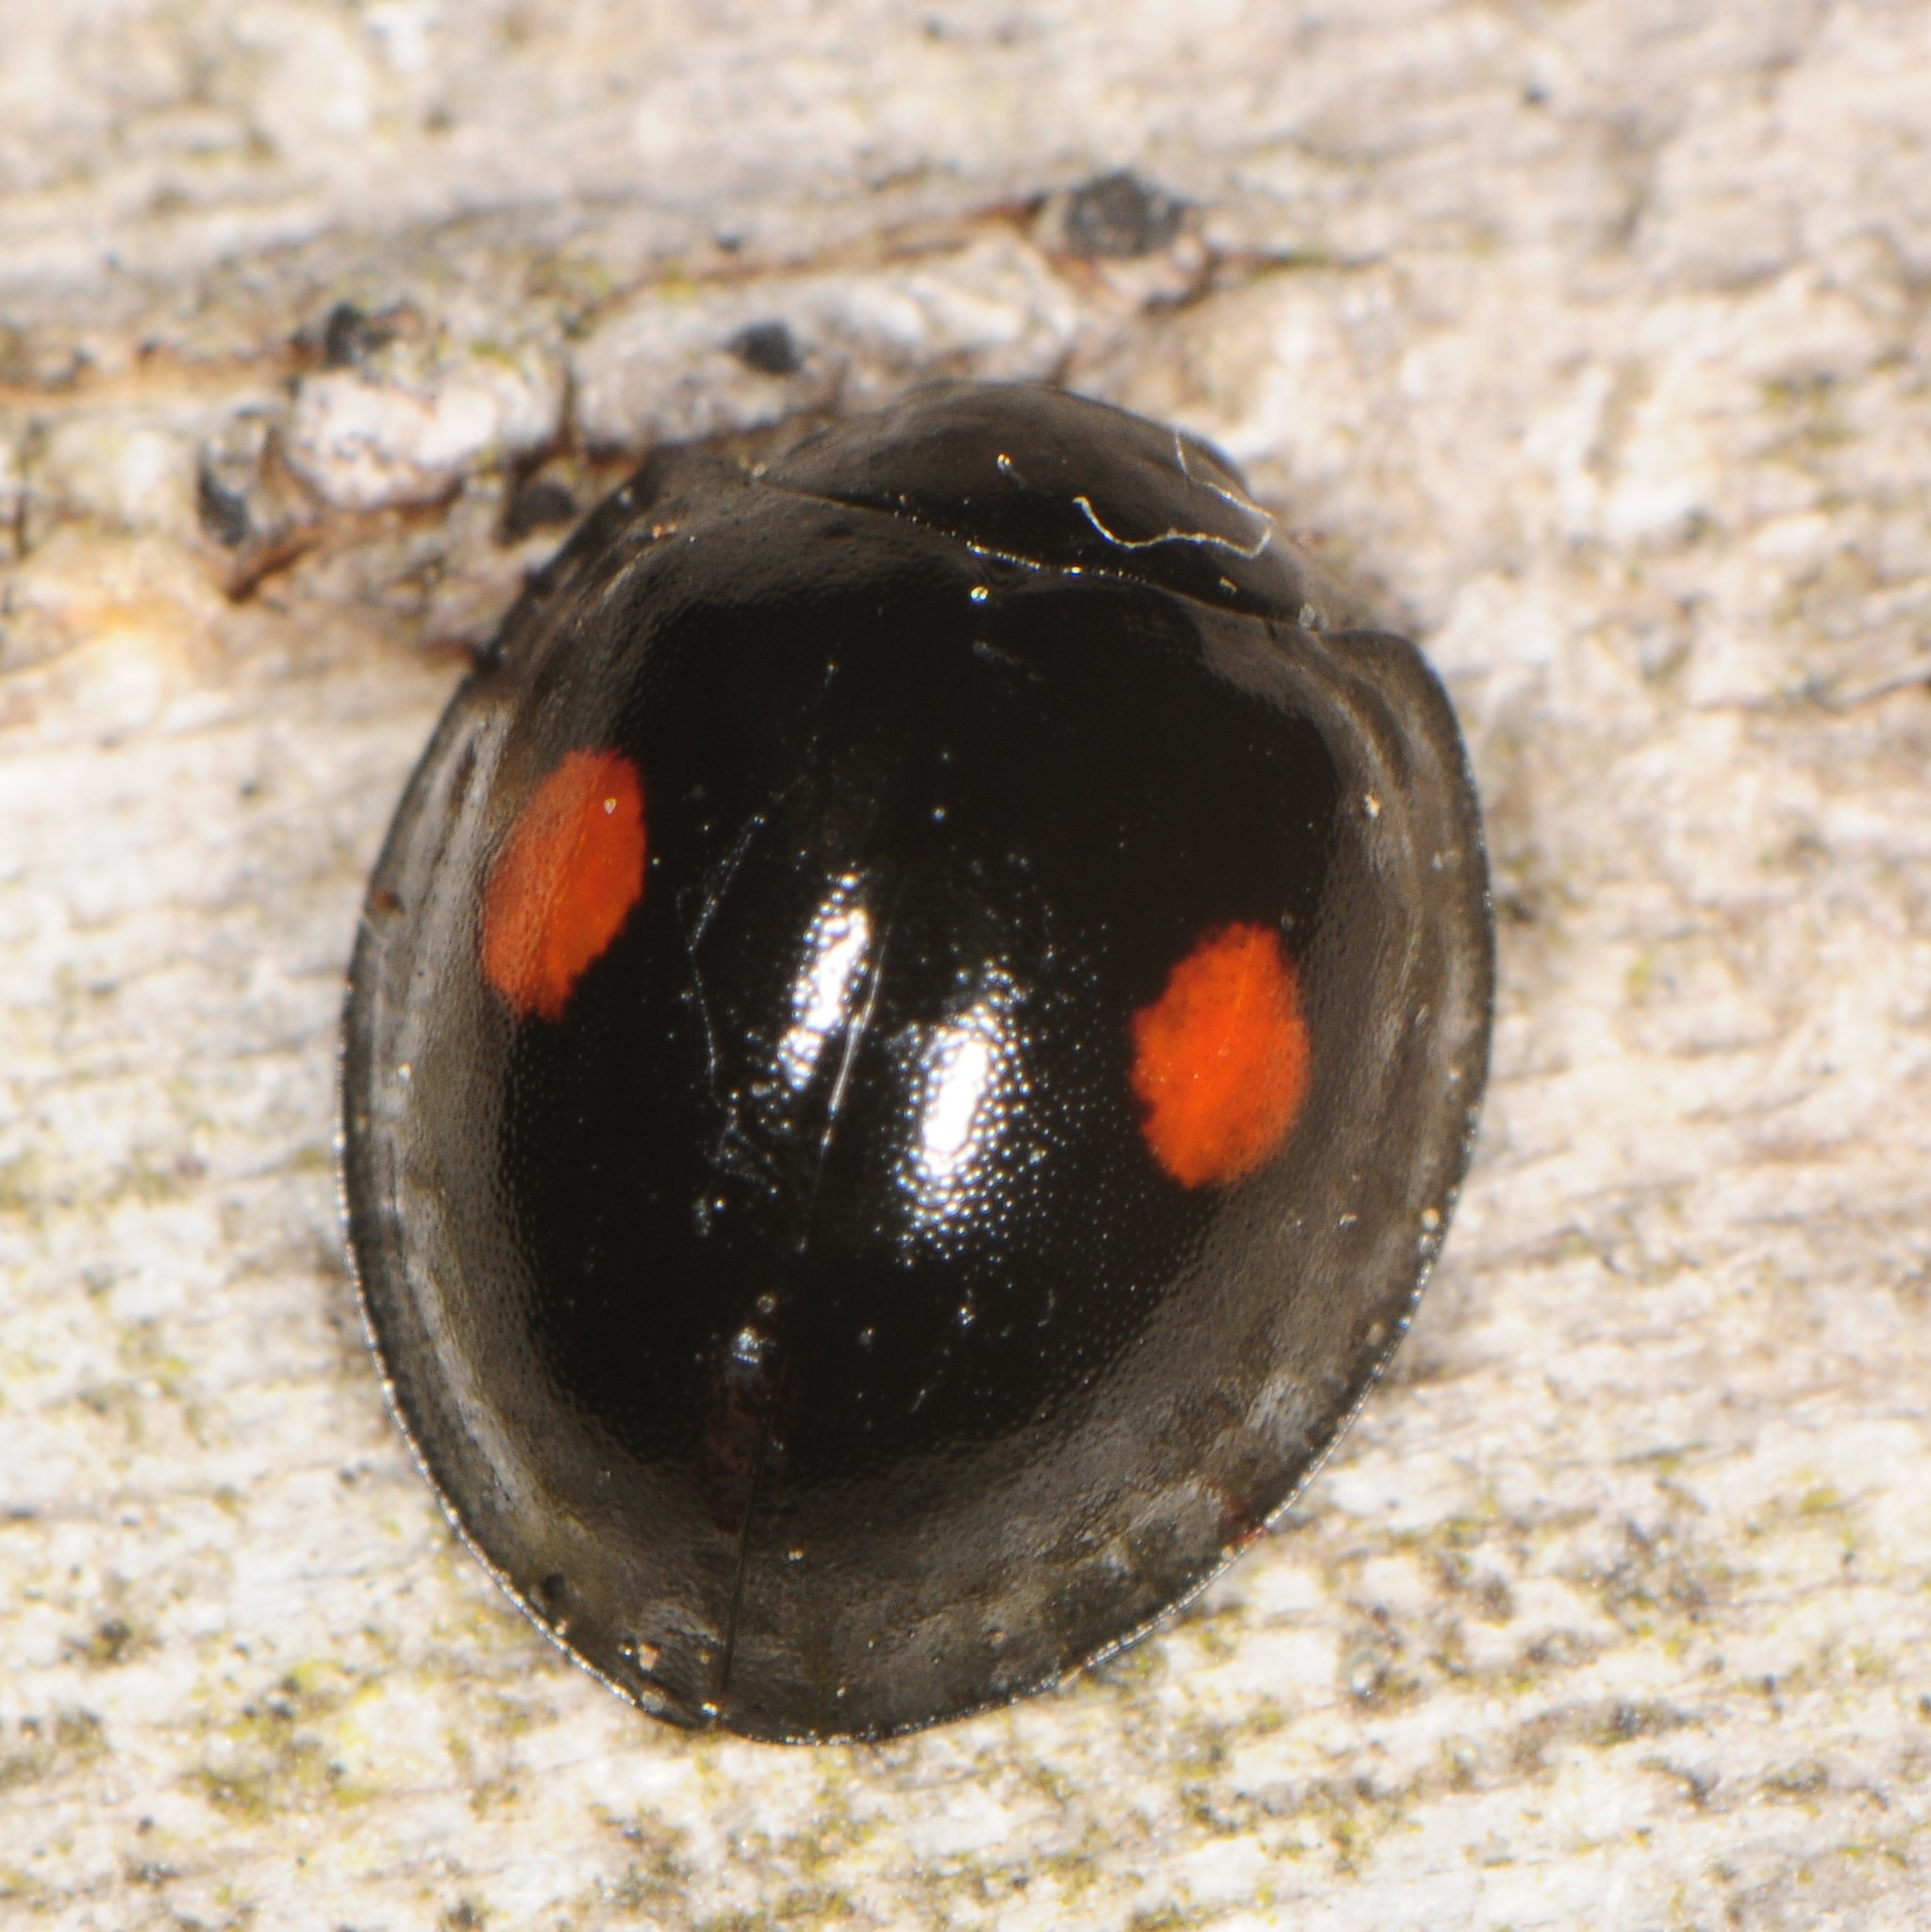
(1592, 339)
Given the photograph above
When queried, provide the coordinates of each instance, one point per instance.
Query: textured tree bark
(1594, 341)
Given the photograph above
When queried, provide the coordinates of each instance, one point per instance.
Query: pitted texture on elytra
(893, 1251)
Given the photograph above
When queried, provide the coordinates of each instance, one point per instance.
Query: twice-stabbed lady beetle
(910, 1048)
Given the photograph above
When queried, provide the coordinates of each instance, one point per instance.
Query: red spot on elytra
(564, 882)
(1220, 1060)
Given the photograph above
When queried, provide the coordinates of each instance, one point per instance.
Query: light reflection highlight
(836, 948)
(968, 1073)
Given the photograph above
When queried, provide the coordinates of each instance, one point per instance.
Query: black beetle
(910, 1050)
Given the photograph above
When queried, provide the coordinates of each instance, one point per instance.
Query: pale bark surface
(1594, 338)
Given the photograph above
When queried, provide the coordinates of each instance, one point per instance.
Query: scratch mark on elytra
(721, 877)
(1233, 498)
(856, 1029)
(855, 1033)
(1207, 536)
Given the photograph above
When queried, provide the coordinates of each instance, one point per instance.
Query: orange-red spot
(564, 882)
(1220, 1060)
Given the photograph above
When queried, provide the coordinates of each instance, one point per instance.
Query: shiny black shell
(782, 1262)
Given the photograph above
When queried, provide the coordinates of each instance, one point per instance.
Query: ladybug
(908, 1052)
